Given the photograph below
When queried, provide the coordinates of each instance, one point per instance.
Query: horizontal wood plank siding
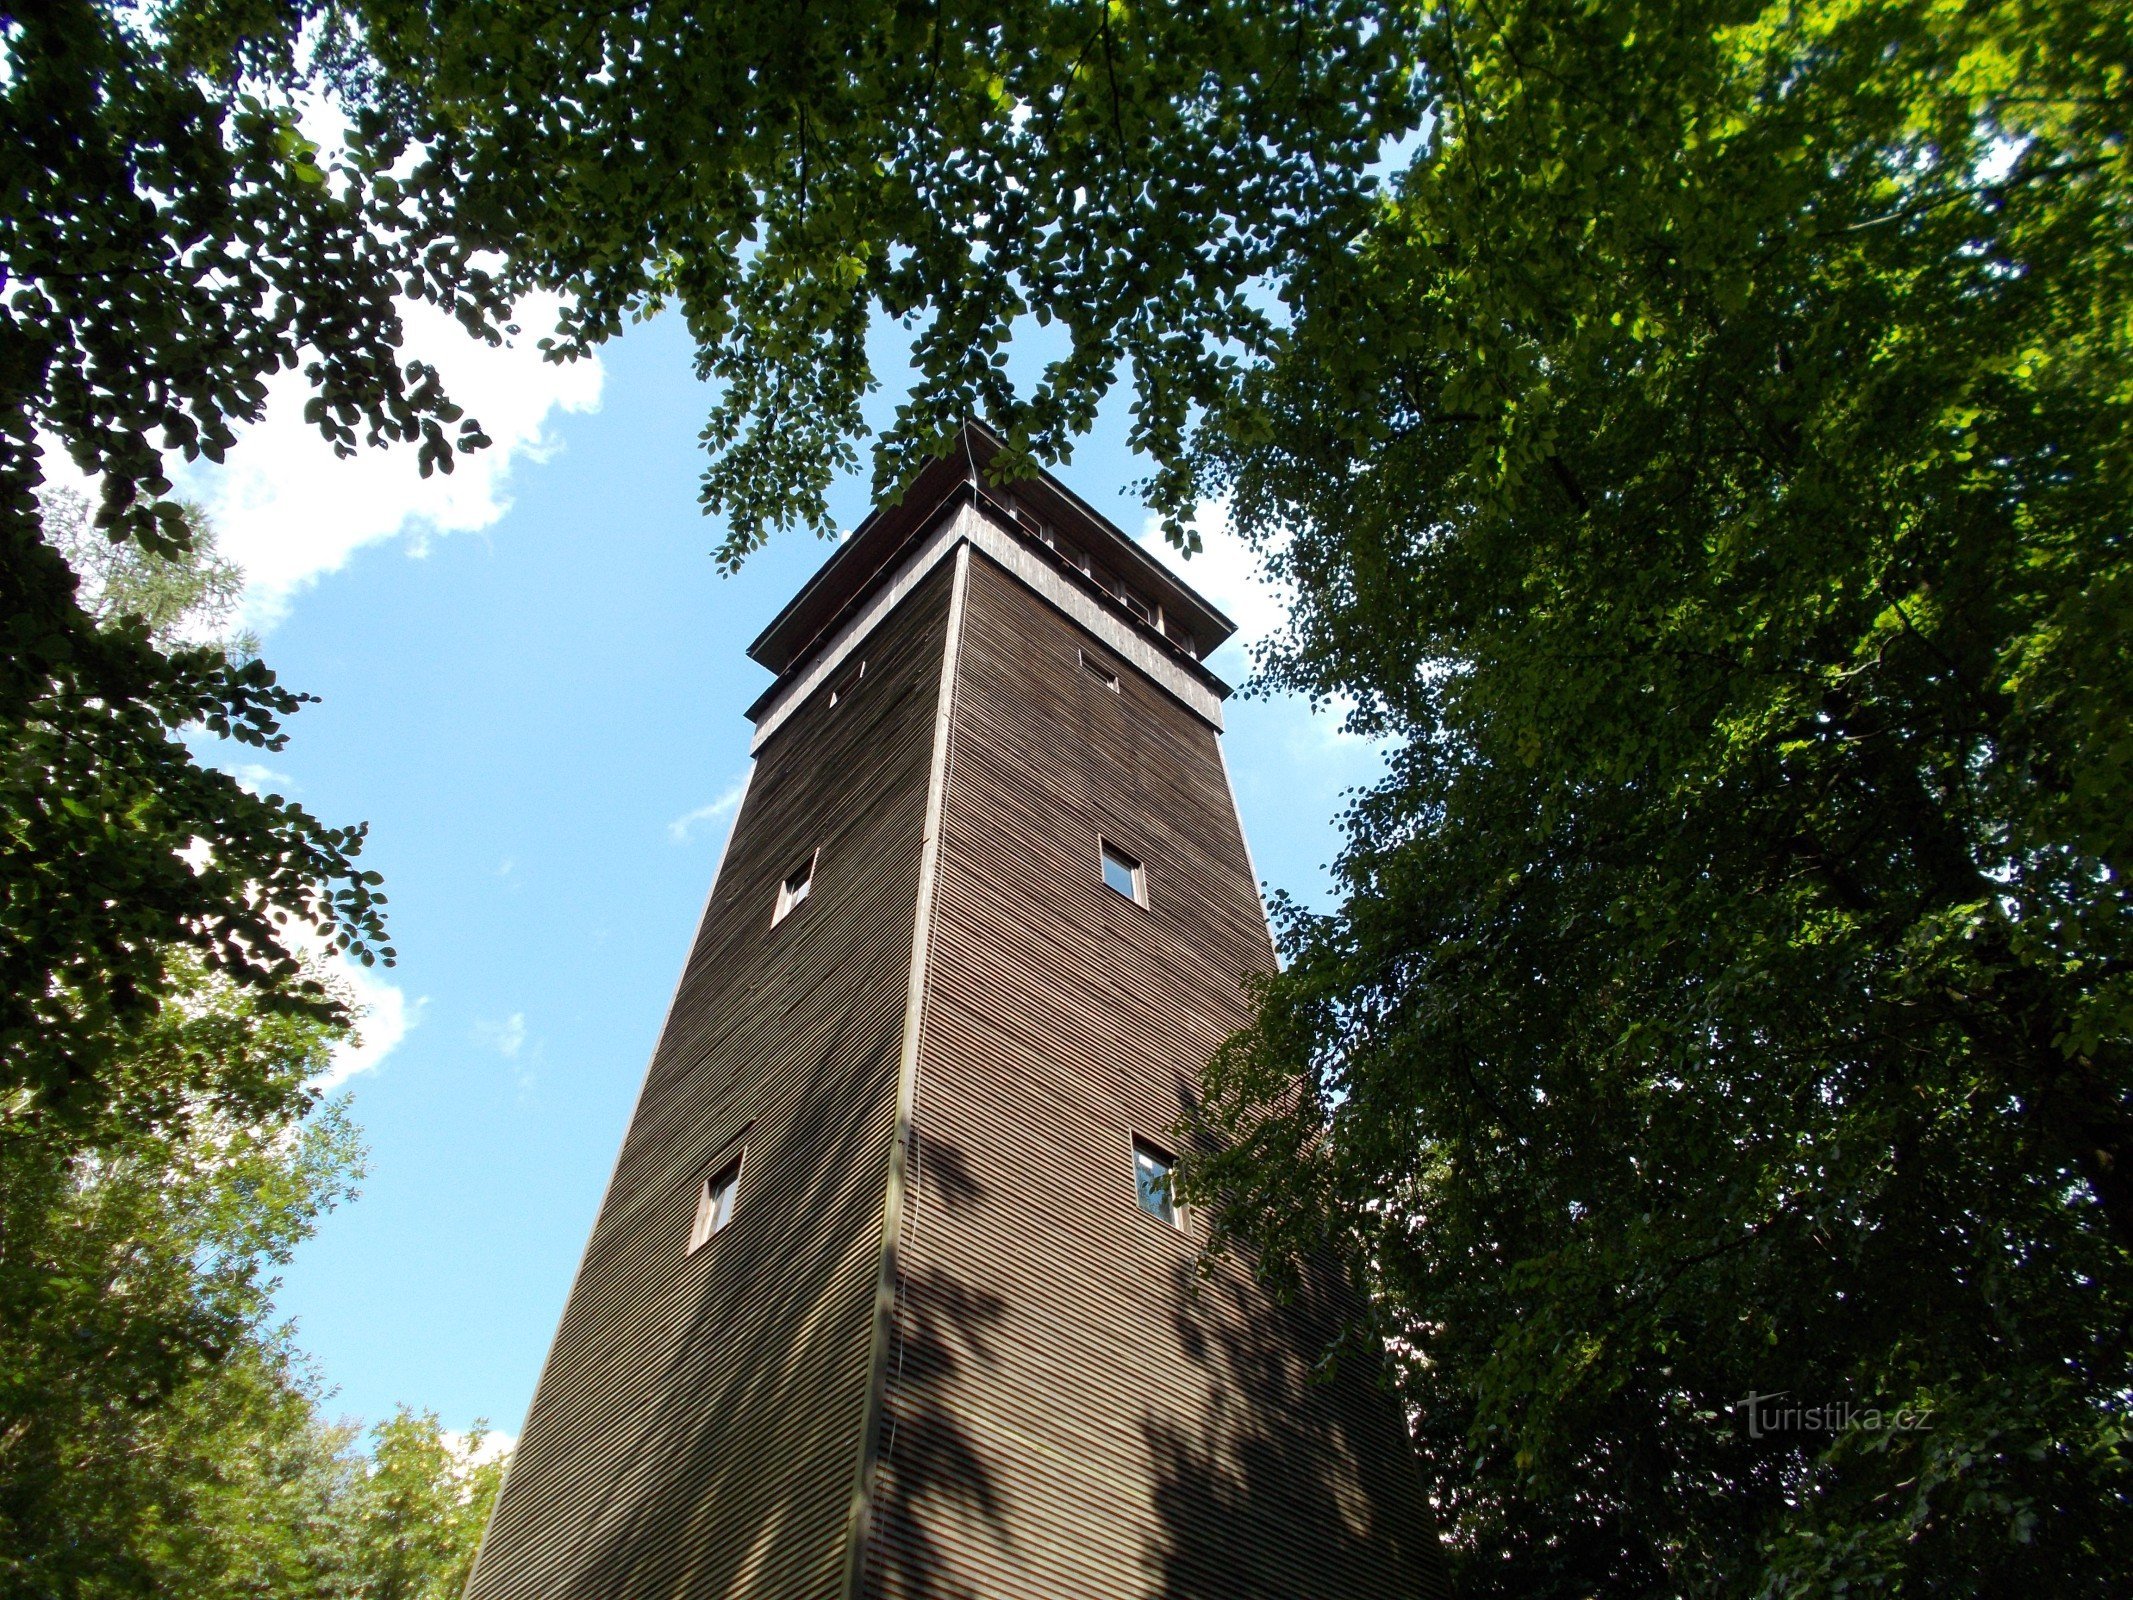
(1070, 1410)
(698, 1426)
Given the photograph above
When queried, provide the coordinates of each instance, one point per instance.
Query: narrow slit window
(797, 885)
(1152, 1175)
(714, 1202)
(1125, 874)
(844, 687)
(1103, 674)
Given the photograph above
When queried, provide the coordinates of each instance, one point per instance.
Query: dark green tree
(158, 1435)
(1132, 176)
(139, 1225)
(1711, 473)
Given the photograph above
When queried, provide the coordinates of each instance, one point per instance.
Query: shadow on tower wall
(930, 1465)
(704, 1438)
(1249, 1479)
(1293, 1481)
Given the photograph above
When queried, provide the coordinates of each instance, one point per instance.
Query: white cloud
(1231, 573)
(1227, 571)
(506, 1038)
(384, 1013)
(259, 779)
(493, 1446)
(682, 827)
(289, 511)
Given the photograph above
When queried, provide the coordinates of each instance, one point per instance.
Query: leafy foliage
(1709, 468)
(173, 239)
(188, 598)
(158, 1435)
(103, 815)
(415, 1516)
(134, 1268)
(1129, 172)
(1711, 474)
(170, 241)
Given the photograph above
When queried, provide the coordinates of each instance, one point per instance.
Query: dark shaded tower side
(1074, 1408)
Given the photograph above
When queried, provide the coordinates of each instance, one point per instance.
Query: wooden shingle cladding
(939, 1349)
(697, 1430)
(1069, 1409)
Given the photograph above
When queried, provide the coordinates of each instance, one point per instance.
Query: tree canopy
(1704, 463)
(136, 1263)
(1136, 174)
(173, 238)
(1711, 474)
(168, 244)
(159, 1434)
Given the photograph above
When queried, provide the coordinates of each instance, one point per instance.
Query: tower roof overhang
(1044, 512)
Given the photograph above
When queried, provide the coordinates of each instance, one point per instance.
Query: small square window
(843, 688)
(1125, 874)
(794, 889)
(714, 1202)
(1152, 1171)
(1100, 672)
(1135, 604)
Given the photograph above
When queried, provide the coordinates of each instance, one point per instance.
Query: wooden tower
(886, 1297)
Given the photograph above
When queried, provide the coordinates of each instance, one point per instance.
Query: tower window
(1152, 1172)
(1135, 604)
(1124, 874)
(1100, 672)
(844, 687)
(714, 1202)
(794, 889)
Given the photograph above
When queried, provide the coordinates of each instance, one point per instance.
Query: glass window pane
(794, 889)
(1122, 873)
(1151, 1180)
(1102, 673)
(714, 1204)
(722, 1204)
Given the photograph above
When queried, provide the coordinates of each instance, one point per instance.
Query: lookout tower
(888, 1296)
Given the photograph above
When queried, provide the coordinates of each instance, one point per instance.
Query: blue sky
(532, 683)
